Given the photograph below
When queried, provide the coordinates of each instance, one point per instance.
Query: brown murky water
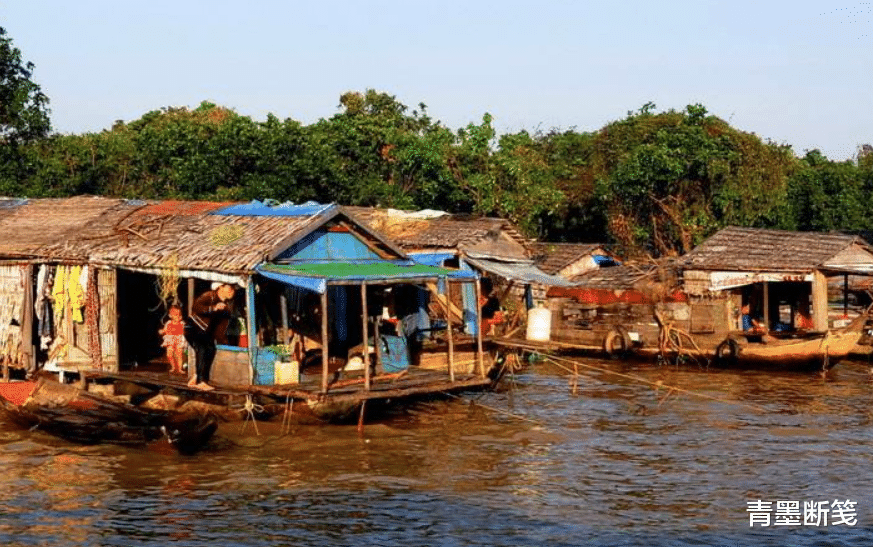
(616, 463)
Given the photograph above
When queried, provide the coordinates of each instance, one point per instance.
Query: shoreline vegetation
(654, 183)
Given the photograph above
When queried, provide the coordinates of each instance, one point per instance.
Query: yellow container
(287, 373)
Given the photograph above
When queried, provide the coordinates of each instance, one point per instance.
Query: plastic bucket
(287, 372)
(539, 324)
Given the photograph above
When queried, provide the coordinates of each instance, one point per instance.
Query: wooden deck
(345, 389)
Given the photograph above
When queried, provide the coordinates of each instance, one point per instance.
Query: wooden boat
(67, 412)
(814, 351)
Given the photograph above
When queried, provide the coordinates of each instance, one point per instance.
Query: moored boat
(67, 412)
(817, 351)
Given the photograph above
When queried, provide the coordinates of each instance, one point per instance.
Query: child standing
(174, 339)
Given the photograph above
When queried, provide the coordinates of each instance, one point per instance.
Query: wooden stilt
(479, 352)
(449, 335)
(283, 306)
(361, 418)
(377, 345)
(325, 357)
(366, 356)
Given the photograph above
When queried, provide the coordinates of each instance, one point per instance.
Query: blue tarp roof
(270, 208)
(314, 276)
(431, 259)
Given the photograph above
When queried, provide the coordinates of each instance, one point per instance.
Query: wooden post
(845, 295)
(766, 305)
(191, 356)
(819, 301)
(324, 350)
(190, 294)
(283, 304)
(361, 418)
(479, 355)
(449, 334)
(366, 356)
(251, 327)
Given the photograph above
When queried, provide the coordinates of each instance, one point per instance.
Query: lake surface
(607, 459)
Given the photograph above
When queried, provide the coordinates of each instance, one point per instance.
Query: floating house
(742, 293)
(85, 283)
(493, 247)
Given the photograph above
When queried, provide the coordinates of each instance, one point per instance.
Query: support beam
(283, 305)
(845, 295)
(479, 353)
(819, 301)
(766, 317)
(251, 325)
(449, 334)
(366, 356)
(324, 350)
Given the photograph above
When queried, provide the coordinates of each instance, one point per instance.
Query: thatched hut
(310, 273)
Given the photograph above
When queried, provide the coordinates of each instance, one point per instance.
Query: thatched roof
(554, 257)
(483, 236)
(157, 234)
(752, 249)
(629, 275)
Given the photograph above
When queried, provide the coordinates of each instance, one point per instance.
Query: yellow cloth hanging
(76, 292)
(59, 293)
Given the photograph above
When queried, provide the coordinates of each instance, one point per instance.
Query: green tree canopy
(23, 107)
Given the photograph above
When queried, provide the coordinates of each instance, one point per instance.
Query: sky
(798, 73)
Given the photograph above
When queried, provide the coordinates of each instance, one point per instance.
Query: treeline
(654, 182)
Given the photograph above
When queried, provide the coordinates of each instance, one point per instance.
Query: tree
(23, 106)
(826, 195)
(668, 180)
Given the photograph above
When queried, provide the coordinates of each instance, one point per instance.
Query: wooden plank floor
(414, 382)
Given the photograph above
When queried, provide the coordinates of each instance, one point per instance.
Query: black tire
(726, 353)
(617, 343)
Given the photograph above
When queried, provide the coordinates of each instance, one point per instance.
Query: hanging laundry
(59, 292)
(40, 293)
(76, 293)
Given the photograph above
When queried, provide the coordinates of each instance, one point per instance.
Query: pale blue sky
(798, 73)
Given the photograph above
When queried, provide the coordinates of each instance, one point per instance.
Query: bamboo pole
(479, 352)
(366, 356)
(324, 350)
(449, 335)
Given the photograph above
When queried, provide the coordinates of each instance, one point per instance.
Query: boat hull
(66, 412)
(817, 353)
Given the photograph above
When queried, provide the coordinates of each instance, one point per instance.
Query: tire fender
(617, 343)
(726, 353)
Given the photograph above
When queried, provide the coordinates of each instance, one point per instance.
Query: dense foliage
(654, 182)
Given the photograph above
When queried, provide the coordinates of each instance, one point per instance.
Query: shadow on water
(624, 460)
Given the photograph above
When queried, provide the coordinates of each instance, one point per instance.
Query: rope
(657, 385)
(250, 408)
(289, 410)
(504, 412)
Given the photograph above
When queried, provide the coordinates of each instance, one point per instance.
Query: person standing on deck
(209, 311)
